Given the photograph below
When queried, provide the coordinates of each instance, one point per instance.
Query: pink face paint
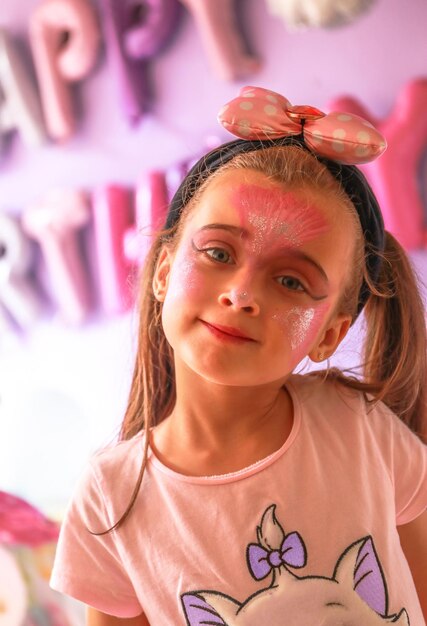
(301, 325)
(299, 320)
(184, 279)
(278, 218)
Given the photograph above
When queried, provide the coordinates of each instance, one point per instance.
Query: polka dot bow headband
(258, 114)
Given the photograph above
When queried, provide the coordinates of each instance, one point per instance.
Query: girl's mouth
(227, 332)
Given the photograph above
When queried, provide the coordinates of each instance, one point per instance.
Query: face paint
(241, 296)
(184, 278)
(278, 218)
(300, 325)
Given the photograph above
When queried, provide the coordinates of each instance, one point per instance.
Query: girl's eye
(291, 283)
(219, 254)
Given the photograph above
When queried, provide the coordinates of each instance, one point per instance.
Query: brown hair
(394, 350)
(394, 364)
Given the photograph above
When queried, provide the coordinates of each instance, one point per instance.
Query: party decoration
(175, 174)
(54, 221)
(317, 13)
(21, 523)
(65, 40)
(113, 215)
(262, 114)
(395, 177)
(27, 549)
(225, 47)
(17, 294)
(135, 33)
(20, 108)
(151, 205)
(13, 592)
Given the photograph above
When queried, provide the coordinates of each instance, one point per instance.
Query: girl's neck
(215, 429)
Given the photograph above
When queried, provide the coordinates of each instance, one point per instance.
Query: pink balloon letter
(113, 215)
(135, 32)
(53, 221)
(65, 40)
(216, 21)
(17, 294)
(19, 106)
(395, 175)
(151, 207)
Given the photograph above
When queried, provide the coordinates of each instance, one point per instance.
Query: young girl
(240, 493)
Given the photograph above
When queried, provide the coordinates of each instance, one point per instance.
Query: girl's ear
(161, 274)
(331, 338)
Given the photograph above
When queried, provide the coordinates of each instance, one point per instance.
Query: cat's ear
(206, 607)
(359, 568)
(401, 620)
(270, 534)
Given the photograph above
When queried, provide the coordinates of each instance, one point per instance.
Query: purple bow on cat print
(261, 561)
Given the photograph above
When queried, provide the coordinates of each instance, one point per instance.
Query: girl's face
(252, 286)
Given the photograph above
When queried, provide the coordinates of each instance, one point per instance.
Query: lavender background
(63, 390)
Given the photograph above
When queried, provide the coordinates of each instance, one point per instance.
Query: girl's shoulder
(107, 482)
(118, 459)
(328, 403)
(326, 393)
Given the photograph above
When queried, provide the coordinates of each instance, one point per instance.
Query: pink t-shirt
(305, 536)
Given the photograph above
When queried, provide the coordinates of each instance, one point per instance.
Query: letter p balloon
(65, 39)
(136, 31)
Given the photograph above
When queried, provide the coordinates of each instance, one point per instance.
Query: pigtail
(395, 349)
(152, 390)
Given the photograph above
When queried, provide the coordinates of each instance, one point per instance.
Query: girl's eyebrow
(236, 230)
(299, 254)
(293, 252)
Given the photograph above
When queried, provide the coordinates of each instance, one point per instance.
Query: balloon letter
(112, 217)
(395, 175)
(17, 295)
(216, 21)
(53, 222)
(64, 39)
(150, 208)
(133, 37)
(19, 107)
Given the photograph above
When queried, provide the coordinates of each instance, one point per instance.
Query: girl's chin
(231, 368)
(243, 378)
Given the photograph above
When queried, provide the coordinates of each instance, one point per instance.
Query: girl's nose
(240, 299)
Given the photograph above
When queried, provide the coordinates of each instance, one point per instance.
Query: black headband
(349, 177)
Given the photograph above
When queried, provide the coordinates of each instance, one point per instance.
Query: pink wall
(66, 388)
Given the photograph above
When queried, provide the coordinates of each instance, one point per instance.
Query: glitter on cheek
(184, 278)
(295, 324)
(300, 325)
(300, 322)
